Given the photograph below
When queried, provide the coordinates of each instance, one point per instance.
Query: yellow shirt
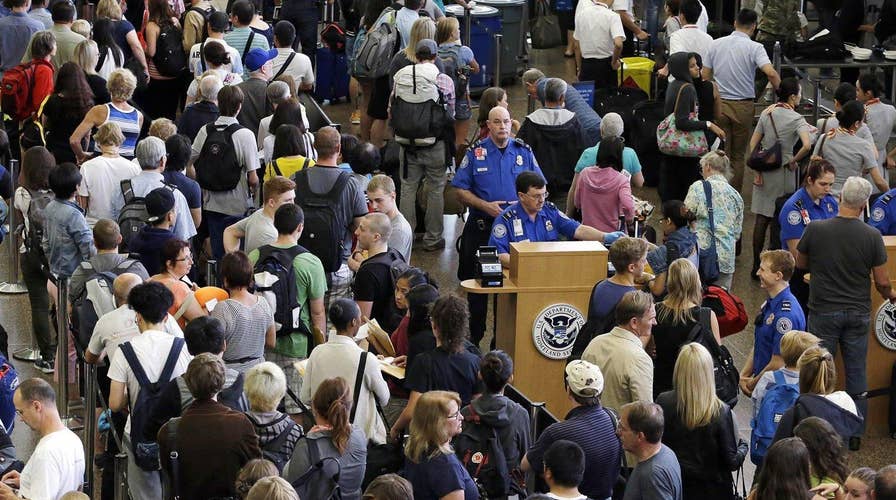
(287, 167)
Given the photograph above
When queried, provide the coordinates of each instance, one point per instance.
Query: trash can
(486, 23)
(513, 27)
(637, 72)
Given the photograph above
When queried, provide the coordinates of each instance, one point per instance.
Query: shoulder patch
(466, 161)
(885, 199)
(794, 218)
(508, 215)
(786, 306)
(783, 325)
(878, 214)
(499, 231)
(520, 142)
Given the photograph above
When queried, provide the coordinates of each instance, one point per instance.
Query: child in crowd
(793, 344)
(860, 483)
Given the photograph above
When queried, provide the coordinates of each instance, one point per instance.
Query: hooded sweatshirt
(555, 136)
(687, 103)
(602, 194)
(510, 421)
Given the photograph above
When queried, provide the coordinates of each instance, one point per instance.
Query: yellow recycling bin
(637, 72)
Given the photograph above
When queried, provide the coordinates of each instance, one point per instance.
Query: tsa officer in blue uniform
(536, 219)
(811, 202)
(780, 313)
(486, 182)
(883, 214)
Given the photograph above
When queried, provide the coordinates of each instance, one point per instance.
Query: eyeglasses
(455, 416)
(187, 258)
(539, 196)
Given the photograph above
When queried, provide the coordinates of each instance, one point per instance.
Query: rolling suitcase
(647, 116)
(331, 70)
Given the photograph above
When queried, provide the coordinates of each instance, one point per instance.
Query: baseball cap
(256, 58)
(159, 202)
(426, 48)
(218, 21)
(584, 379)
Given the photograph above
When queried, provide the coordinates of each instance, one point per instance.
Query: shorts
(462, 109)
(293, 379)
(378, 108)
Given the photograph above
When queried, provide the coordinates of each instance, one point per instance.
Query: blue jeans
(847, 330)
(217, 223)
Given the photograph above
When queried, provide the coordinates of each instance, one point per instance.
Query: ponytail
(333, 402)
(817, 371)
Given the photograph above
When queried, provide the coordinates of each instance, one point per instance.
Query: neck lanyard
(784, 105)
(871, 102)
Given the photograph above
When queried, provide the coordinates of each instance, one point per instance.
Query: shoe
(568, 55)
(356, 117)
(47, 366)
(439, 245)
(855, 442)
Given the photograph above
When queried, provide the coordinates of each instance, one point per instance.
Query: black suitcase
(620, 100)
(647, 117)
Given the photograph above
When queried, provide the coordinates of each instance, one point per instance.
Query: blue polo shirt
(491, 174)
(883, 214)
(778, 316)
(791, 218)
(515, 225)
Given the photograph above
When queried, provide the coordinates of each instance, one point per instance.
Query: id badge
(517, 227)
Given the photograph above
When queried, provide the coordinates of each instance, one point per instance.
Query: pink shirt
(603, 194)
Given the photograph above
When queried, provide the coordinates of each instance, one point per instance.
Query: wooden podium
(879, 366)
(547, 283)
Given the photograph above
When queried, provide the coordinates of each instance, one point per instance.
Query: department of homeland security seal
(878, 214)
(885, 325)
(555, 330)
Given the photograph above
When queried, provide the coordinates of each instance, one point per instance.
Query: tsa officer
(883, 214)
(486, 183)
(536, 219)
(811, 202)
(780, 313)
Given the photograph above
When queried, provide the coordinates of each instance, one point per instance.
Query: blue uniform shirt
(778, 316)
(514, 225)
(490, 174)
(792, 219)
(883, 214)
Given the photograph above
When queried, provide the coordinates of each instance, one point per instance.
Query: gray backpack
(133, 214)
(373, 57)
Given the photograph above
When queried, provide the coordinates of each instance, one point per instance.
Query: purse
(674, 142)
(709, 257)
(545, 29)
(766, 160)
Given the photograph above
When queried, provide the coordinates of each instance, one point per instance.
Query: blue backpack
(779, 398)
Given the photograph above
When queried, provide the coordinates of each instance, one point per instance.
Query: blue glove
(104, 424)
(611, 238)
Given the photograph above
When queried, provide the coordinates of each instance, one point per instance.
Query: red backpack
(17, 90)
(729, 309)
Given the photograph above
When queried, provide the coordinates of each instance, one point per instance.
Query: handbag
(708, 266)
(675, 142)
(725, 372)
(766, 160)
(545, 30)
(740, 494)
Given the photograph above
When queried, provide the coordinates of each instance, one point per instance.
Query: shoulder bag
(675, 142)
(709, 257)
(766, 160)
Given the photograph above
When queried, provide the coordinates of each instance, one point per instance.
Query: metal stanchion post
(534, 411)
(211, 272)
(497, 69)
(12, 243)
(62, 347)
(468, 26)
(90, 426)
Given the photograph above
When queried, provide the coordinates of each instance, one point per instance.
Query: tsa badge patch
(885, 325)
(877, 214)
(555, 330)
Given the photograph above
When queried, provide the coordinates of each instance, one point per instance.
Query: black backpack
(453, 66)
(324, 224)
(170, 58)
(146, 449)
(595, 325)
(133, 214)
(279, 262)
(726, 374)
(203, 32)
(37, 221)
(274, 450)
(217, 167)
(479, 448)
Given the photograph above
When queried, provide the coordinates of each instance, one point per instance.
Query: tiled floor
(875, 452)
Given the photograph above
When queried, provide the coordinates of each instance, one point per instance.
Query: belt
(750, 99)
(242, 360)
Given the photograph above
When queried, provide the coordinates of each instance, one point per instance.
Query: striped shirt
(238, 38)
(129, 123)
(245, 331)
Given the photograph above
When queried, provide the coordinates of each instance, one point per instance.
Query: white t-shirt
(264, 126)
(120, 325)
(235, 66)
(259, 230)
(55, 468)
(299, 68)
(152, 348)
(843, 400)
(227, 78)
(268, 147)
(703, 20)
(596, 28)
(101, 181)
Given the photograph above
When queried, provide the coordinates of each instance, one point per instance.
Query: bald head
(499, 124)
(499, 112)
(122, 286)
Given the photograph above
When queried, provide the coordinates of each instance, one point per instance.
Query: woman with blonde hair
(265, 387)
(272, 488)
(448, 38)
(121, 85)
(123, 32)
(676, 319)
(332, 437)
(431, 466)
(700, 428)
(255, 470)
(818, 398)
(87, 55)
(423, 28)
(100, 190)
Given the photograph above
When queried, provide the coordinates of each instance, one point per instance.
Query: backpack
(453, 66)
(282, 293)
(595, 325)
(374, 49)
(133, 214)
(17, 89)
(778, 399)
(37, 221)
(217, 167)
(324, 224)
(146, 450)
(98, 298)
(333, 36)
(273, 451)
(205, 13)
(419, 112)
(479, 449)
(9, 382)
(724, 371)
(170, 58)
(729, 309)
(318, 475)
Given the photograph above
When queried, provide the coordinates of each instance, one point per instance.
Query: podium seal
(555, 330)
(885, 325)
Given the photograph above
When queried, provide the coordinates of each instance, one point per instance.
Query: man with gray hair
(535, 81)
(556, 138)
(203, 111)
(840, 253)
(151, 155)
(277, 93)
